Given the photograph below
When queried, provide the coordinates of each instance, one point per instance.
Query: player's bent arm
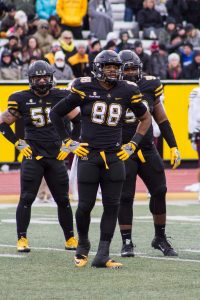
(5, 121)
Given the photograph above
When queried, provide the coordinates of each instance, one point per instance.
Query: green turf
(50, 273)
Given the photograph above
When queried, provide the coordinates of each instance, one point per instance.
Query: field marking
(141, 255)
(191, 250)
(52, 220)
(12, 255)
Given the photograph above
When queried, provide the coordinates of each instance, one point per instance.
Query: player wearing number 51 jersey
(40, 149)
(103, 101)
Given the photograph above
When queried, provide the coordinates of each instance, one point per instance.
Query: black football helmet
(131, 61)
(38, 69)
(105, 58)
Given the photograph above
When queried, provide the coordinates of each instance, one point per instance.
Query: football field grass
(48, 272)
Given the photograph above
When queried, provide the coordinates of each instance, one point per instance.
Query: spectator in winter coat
(62, 71)
(80, 62)
(159, 62)
(45, 8)
(177, 9)
(144, 57)
(174, 69)
(43, 37)
(192, 35)
(100, 16)
(150, 20)
(67, 44)
(9, 70)
(71, 14)
(131, 9)
(9, 19)
(193, 70)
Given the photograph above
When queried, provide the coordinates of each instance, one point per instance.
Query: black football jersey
(103, 111)
(150, 88)
(38, 129)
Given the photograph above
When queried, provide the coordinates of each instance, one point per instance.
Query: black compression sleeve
(136, 139)
(167, 133)
(76, 127)
(8, 133)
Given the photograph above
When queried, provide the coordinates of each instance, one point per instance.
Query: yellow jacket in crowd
(71, 12)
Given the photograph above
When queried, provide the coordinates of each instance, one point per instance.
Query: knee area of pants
(159, 192)
(62, 202)
(84, 208)
(111, 209)
(27, 199)
(126, 200)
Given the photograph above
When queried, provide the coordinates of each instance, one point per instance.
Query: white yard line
(138, 254)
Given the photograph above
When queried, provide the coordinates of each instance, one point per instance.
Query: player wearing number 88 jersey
(103, 101)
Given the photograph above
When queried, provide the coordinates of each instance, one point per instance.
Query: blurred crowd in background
(53, 30)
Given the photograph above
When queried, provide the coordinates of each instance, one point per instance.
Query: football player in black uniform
(103, 101)
(147, 162)
(41, 149)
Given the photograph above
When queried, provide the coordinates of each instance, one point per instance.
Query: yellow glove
(23, 147)
(76, 147)
(175, 158)
(126, 151)
(64, 152)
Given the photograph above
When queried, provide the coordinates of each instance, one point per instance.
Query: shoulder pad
(14, 99)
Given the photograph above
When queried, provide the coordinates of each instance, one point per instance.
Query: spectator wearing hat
(159, 61)
(80, 61)
(8, 70)
(71, 14)
(31, 49)
(192, 35)
(13, 41)
(62, 71)
(124, 44)
(95, 48)
(167, 31)
(175, 43)
(100, 16)
(186, 54)
(17, 56)
(67, 44)
(33, 20)
(144, 57)
(50, 57)
(9, 19)
(177, 9)
(54, 27)
(45, 8)
(110, 45)
(174, 69)
(193, 70)
(43, 37)
(149, 20)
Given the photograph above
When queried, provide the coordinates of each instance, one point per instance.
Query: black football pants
(152, 174)
(55, 174)
(91, 173)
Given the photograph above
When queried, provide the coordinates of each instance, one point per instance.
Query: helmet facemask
(41, 87)
(102, 72)
(131, 72)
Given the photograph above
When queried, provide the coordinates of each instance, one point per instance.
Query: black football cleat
(162, 244)
(105, 262)
(127, 250)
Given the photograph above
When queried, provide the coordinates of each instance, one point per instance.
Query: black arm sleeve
(76, 131)
(167, 133)
(61, 109)
(8, 133)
